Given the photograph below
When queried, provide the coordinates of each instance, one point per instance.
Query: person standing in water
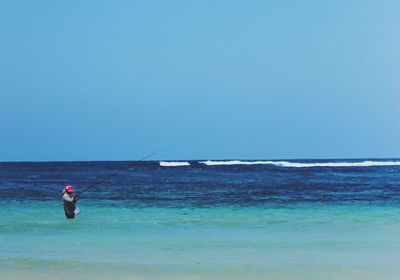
(69, 200)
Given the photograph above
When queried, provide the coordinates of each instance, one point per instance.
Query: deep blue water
(201, 185)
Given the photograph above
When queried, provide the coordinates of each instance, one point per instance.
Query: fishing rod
(119, 171)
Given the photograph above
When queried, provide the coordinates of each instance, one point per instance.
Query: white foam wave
(235, 162)
(305, 164)
(174, 163)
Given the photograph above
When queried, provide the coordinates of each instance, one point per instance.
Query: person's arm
(66, 197)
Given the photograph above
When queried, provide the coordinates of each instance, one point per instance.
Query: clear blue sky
(115, 80)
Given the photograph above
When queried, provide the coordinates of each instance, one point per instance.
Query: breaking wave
(366, 163)
(174, 163)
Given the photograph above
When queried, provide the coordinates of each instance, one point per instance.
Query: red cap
(69, 189)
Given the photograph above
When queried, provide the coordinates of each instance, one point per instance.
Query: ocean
(225, 219)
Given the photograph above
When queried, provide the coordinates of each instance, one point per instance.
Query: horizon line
(194, 160)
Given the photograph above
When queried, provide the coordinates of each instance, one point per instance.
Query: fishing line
(119, 171)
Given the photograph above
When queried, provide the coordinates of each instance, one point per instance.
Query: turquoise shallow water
(304, 240)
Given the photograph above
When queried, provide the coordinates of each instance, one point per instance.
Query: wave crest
(366, 163)
(174, 163)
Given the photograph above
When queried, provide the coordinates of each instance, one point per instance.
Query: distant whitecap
(174, 163)
(367, 163)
